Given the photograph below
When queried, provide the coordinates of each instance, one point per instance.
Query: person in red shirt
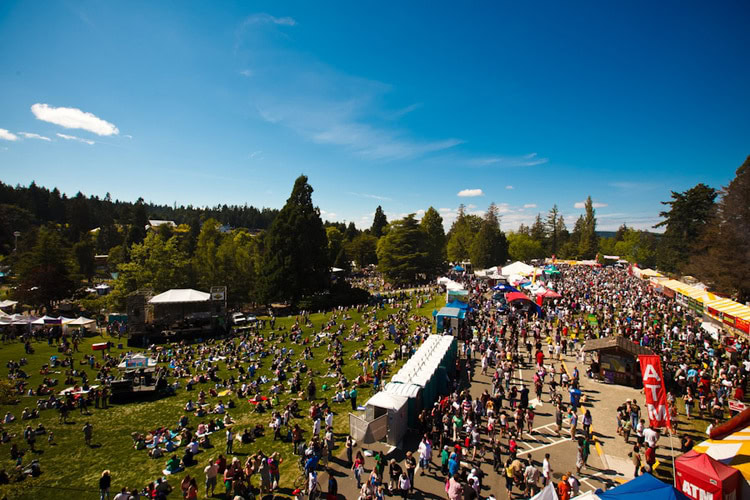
(563, 489)
(539, 358)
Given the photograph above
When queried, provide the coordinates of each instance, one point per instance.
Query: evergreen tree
(335, 243)
(490, 247)
(351, 232)
(462, 234)
(688, 215)
(538, 230)
(378, 222)
(553, 230)
(402, 252)
(295, 258)
(44, 271)
(432, 226)
(722, 254)
(206, 261)
(84, 252)
(588, 242)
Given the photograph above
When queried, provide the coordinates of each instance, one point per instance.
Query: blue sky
(407, 105)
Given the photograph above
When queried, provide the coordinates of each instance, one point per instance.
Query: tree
(206, 261)
(723, 252)
(138, 223)
(461, 236)
(335, 242)
(378, 222)
(351, 232)
(523, 247)
(44, 271)
(84, 252)
(588, 242)
(295, 255)
(490, 247)
(553, 227)
(363, 249)
(538, 230)
(402, 252)
(432, 225)
(687, 217)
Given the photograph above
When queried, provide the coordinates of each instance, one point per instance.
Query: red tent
(516, 296)
(699, 476)
(550, 294)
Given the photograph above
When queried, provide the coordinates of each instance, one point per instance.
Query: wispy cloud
(128, 136)
(371, 196)
(73, 118)
(468, 193)
(263, 18)
(529, 160)
(595, 204)
(530, 205)
(30, 135)
(329, 215)
(508, 187)
(255, 155)
(246, 73)
(74, 138)
(7, 135)
(395, 115)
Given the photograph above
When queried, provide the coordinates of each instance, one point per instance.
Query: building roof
(180, 296)
(616, 341)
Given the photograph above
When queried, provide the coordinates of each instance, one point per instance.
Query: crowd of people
(269, 369)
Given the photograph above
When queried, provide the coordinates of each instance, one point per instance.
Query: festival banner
(743, 325)
(653, 387)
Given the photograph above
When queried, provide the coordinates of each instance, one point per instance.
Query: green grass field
(71, 469)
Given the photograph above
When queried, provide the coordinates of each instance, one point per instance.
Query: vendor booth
(616, 359)
(699, 477)
(449, 317)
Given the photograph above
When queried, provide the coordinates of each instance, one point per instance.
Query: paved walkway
(607, 467)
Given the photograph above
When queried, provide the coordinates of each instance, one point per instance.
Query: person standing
(88, 432)
(230, 441)
(353, 398)
(411, 466)
(333, 486)
(349, 449)
(105, 481)
(211, 471)
(454, 488)
(546, 470)
(394, 474)
(404, 485)
(425, 455)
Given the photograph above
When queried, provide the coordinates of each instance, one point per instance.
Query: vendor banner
(743, 325)
(653, 387)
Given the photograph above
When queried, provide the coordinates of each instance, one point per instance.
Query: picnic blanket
(253, 402)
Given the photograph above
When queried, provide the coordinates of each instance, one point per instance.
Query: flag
(656, 395)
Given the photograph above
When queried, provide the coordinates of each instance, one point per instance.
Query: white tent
(517, 268)
(48, 320)
(137, 361)
(548, 493)
(81, 321)
(180, 296)
(8, 303)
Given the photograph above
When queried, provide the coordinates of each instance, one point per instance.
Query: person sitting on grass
(173, 465)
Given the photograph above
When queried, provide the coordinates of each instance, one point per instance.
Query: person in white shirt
(651, 436)
(531, 476)
(123, 495)
(329, 419)
(425, 454)
(316, 427)
(546, 469)
(211, 471)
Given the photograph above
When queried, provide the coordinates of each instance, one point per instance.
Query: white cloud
(128, 136)
(529, 160)
(471, 206)
(73, 118)
(372, 196)
(269, 19)
(467, 193)
(74, 138)
(582, 204)
(508, 187)
(329, 215)
(29, 135)
(530, 205)
(246, 73)
(7, 135)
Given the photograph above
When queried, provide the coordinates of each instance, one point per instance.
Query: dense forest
(265, 255)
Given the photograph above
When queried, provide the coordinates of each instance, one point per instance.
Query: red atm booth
(702, 478)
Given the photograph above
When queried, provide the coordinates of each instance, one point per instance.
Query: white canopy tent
(8, 303)
(81, 321)
(48, 320)
(180, 296)
(518, 268)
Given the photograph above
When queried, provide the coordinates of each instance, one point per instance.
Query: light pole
(16, 234)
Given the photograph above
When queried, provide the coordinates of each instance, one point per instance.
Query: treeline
(23, 208)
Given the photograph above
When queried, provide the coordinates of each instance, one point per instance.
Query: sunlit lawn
(72, 469)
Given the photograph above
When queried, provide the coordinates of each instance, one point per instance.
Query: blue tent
(459, 305)
(502, 287)
(644, 485)
(458, 268)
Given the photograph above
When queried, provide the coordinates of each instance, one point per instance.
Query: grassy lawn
(70, 468)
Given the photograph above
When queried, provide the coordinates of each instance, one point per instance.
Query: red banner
(743, 325)
(653, 387)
